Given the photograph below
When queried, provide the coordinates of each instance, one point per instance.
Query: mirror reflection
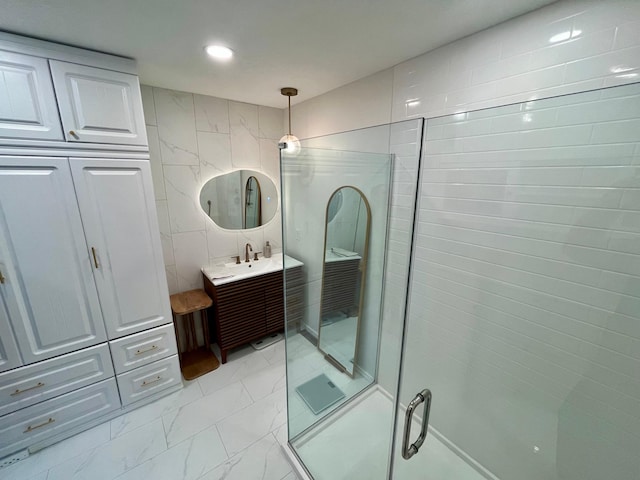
(252, 203)
(345, 258)
(240, 199)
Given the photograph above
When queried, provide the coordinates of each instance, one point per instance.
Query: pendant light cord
(289, 114)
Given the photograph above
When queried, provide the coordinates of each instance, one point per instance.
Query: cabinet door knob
(2, 279)
(73, 134)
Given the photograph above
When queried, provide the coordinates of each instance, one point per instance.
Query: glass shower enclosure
(497, 308)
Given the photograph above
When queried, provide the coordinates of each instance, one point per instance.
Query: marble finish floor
(228, 424)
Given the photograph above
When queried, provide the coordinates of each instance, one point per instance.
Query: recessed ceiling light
(219, 52)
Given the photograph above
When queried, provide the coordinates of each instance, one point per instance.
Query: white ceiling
(314, 45)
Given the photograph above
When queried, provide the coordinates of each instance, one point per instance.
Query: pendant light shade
(290, 143)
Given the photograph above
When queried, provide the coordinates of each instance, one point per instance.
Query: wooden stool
(195, 361)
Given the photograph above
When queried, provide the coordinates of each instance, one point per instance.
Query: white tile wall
(511, 62)
(525, 307)
(193, 138)
(364, 103)
(521, 60)
(532, 251)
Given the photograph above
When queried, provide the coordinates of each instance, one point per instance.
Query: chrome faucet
(247, 249)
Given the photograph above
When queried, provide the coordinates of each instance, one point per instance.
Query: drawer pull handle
(18, 391)
(2, 279)
(31, 429)
(150, 349)
(151, 382)
(95, 257)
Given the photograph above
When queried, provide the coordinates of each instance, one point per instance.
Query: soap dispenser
(267, 250)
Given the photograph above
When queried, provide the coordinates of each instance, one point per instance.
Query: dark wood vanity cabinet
(340, 286)
(248, 309)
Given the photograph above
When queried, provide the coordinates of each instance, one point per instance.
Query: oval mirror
(347, 224)
(240, 199)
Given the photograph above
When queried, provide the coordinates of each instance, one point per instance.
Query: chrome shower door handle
(410, 451)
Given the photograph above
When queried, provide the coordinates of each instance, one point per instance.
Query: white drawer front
(25, 386)
(148, 380)
(33, 424)
(143, 348)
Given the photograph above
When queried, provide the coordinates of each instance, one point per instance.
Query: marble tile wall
(193, 138)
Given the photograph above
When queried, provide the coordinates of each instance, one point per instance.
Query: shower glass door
(524, 303)
(347, 202)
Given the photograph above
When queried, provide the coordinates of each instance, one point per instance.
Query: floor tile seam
(32, 476)
(221, 419)
(259, 370)
(166, 447)
(244, 385)
(200, 398)
(39, 472)
(266, 367)
(226, 451)
(270, 432)
(265, 396)
(178, 444)
(163, 413)
(89, 453)
(288, 473)
(197, 382)
(230, 457)
(248, 406)
(233, 380)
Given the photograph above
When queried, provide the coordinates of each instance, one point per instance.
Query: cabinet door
(99, 106)
(48, 291)
(27, 103)
(119, 216)
(9, 354)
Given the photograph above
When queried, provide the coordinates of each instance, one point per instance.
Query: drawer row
(132, 356)
(49, 418)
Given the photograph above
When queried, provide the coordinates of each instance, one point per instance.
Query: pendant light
(290, 143)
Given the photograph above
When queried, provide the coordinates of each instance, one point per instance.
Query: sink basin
(254, 266)
(232, 272)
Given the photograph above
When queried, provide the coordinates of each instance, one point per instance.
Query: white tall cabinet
(98, 105)
(27, 104)
(48, 289)
(85, 322)
(132, 284)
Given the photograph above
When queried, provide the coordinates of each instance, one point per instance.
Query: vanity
(248, 299)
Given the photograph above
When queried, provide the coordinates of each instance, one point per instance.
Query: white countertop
(231, 272)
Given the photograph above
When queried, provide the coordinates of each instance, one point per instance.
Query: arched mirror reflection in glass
(240, 199)
(252, 203)
(347, 225)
